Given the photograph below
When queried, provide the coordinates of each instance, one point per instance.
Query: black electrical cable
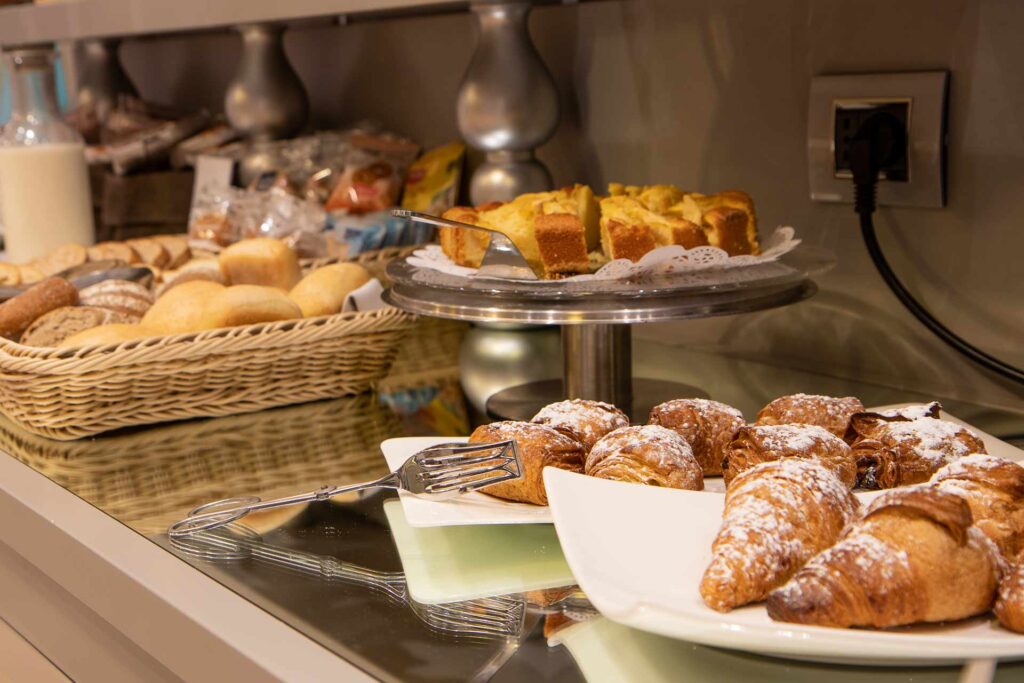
(876, 140)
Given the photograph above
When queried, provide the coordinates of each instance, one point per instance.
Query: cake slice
(463, 247)
(554, 231)
(629, 229)
(724, 229)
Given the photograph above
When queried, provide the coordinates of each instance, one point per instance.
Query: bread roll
(262, 261)
(247, 305)
(18, 313)
(60, 259)
(151, 252)
(323, 291)
(183, 308)
(9, 274)
(107, 334)
(113, 251)
(177, 249)
(62, 323)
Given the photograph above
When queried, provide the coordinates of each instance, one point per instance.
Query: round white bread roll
(247, 305)
(261, 261)
(183, 309)
(323, 291)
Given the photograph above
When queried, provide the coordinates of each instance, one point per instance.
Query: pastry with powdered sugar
(586, 421)
(646, 454)
(914, 557)
(828, 412)
(904, 452)
(778, 515)
(708, 426)
(763, 443)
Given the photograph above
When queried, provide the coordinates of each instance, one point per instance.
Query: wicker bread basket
(67, 394)
(153, 477)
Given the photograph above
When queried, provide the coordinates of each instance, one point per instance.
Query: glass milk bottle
(44, 181)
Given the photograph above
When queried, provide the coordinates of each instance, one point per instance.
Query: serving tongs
(490, 617)
(441, 470)
(502, 258)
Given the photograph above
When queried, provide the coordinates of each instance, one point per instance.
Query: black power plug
(879, 142)
(879, 145)
(855, 120)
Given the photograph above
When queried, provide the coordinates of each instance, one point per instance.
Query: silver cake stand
(596, 319)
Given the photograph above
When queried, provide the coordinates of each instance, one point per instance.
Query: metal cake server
(502, 258)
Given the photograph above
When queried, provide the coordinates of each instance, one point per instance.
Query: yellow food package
(432, 184)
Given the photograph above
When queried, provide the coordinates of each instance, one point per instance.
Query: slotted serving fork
(492, 617)
(441, 470)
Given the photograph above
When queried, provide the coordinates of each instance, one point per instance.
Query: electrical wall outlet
(839, 104)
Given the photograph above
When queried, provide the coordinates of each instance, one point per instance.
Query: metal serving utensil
(86, 274)
(502, 258)
(492, 617)
(447, 468)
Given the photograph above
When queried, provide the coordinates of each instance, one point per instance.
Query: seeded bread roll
(323, 291)
(18, 313)
(262, 261)
(128, 298)
(63, 323)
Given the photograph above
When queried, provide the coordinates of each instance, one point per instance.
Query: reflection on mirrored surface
(351, 574)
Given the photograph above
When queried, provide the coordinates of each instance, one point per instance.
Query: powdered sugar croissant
(777, 516)
(762, 443)
(905, 452)
(994, 490)
(914, 557)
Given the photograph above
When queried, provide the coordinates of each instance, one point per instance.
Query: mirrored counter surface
(334, 570)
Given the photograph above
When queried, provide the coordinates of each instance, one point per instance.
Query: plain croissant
(914, 557)
(778, 515)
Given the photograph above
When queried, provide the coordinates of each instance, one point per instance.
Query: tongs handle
(220, 512)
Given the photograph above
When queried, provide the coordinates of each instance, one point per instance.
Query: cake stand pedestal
(596, 319)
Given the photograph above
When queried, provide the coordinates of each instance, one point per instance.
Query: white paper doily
(673, 259)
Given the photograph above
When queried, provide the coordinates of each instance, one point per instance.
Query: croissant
(778, 515)
(758, 444)
(828, 412)
(864, 425)
(994, 490)
(646, 455)
(540, 446)
(586, 421)
(910, 451)
(708, 426)
(914, 557)
(1009, 607)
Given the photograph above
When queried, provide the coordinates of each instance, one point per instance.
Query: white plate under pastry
(480, 508)
(639, 553)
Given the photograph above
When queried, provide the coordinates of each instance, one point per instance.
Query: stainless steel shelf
(79, 19)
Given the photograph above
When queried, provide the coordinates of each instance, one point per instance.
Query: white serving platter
(639, 553)
(479, 508)
(449, 564)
